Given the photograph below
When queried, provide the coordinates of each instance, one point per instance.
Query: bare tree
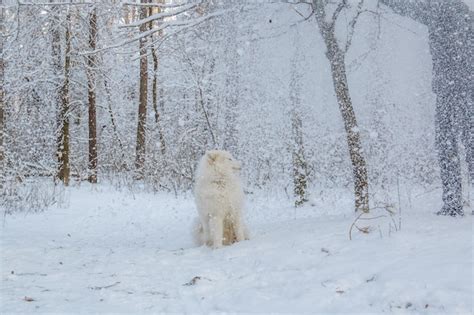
(143, 98)
(56, 57)
(336, 53)
(154, 55)
(63, 119)
(2, 103)
(299, 164)
(91, 89)
(451, 40)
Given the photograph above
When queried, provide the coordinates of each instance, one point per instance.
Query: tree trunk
(63, 139)
(57, 62)
(142, 106)
(336, 55)
(300, 167)
(448, 155)
(299, 164)
(359, 168)
(63, 143)
(155, 101)
(2, 104)
(155, 87)
(450, 27)
(112, 117)
(91, 88)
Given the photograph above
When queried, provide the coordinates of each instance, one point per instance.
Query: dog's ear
(211, 156)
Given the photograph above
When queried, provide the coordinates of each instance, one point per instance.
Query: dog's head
(222, 160)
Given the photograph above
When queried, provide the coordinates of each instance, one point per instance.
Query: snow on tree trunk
(299, 164)
(2, 105)
(154, 55)
(449, 162)
(451, 39)
(143, 98)
(335, 55)
(91, 89)
(359, 168)
(63, 138)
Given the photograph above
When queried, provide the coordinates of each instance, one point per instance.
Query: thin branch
(352, 25)
(366, 229)
(163, 26)
(157, 5)
(158, 42)
(353, 224)
(305, 18)
(161, 16)
(336, 13)
(373, 218)
(105, 286)
(53, 3)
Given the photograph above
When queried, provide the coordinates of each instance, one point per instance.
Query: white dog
(219, 199)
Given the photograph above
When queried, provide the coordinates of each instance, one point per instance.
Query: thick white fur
(219, 199)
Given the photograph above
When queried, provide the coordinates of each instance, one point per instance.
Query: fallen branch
(366, 229)
(105, 287)
(353, 224)
(193, 281)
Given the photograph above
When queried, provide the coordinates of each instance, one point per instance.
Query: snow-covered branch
(54, 3)
(156, 5)
(163, 15)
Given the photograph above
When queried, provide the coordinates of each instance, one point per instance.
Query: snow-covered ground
(115, 252)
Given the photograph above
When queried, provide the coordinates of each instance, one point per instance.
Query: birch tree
(2, 102)
(336, 53)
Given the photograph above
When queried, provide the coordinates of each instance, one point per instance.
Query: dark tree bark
(112, 116)
(63, 138)
(56, 57)
(2, 104)
(143, 98)
(336, 57)
(155, 101)
(451, 39)
(91, 89)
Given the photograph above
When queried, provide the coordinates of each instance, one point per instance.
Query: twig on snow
(104, 287)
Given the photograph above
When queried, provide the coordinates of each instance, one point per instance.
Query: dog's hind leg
(229, 231)
(240, 230)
